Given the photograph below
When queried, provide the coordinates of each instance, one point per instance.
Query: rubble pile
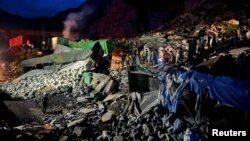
(94, 110)
(28, 84)
(156, 39)
(134, 116)
(195, 67)
(95, 106)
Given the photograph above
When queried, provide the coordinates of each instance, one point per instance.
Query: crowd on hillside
(195, 50)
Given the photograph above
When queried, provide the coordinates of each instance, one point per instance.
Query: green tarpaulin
(80, 50)
(86, 78)
(63, 41)
(107, 45)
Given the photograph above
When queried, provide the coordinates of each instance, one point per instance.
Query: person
(208, 40)
(213, 43)
(202, 48)
(137, 58)
(45, 103)
(155, 56)
(178, 56)
(235, 40)
(127, 60)
(172, 57)
(161, 60)
(191, 51)
(167, 55)
(198, 46)
(148, 56)
(142, 56)
(29, 44)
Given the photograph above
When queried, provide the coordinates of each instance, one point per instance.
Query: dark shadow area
(5, 114)
(139, 82)
(202, 110)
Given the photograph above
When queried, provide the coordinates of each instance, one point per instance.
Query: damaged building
(177, 82)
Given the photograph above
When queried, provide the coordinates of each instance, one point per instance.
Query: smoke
(70, 30)
(77, 21)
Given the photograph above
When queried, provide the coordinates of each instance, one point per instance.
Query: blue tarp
(227, 90)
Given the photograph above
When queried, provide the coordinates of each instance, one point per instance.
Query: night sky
(34, 8)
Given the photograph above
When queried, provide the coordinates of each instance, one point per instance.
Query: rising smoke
(77, 21)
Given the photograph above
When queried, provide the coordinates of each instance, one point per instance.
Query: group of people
(204, 45)
(198, 48)
(155, 56)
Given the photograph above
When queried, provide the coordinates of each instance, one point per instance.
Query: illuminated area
(121, 70)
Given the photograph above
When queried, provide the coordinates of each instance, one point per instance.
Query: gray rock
(107, 116)
(109, 87)
(112, 97)
(118, 138)
(116, 106)
(101, 85)
(146, 130)
(74, 123)
(149, 101)
(82, 99)
(63, 138)
(97, 78)
(100, 106)
(87, 110)
(151, 138)
(78, 131)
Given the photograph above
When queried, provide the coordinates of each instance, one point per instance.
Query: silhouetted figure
(235, 40)
(213, 43)
(179, 54)
(191, 51)
(202, 47)
(45, 103)
(148, 56)
(199, 48)
(155, 55)
(208, 41)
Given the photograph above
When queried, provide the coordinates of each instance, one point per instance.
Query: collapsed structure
(197, 81)
(134, 101)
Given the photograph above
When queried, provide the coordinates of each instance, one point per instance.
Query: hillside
(128, 18)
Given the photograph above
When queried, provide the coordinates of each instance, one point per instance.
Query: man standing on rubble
(45, 103)
(148, 56)
(235, 39)
(191, 51)
(155, 56)
(179, 54)
(137, 60)
(213, 42)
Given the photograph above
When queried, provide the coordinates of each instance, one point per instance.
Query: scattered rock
(107, 116)
(75, 122)
(63, 138)
(117, 138)
(87, 110)
(82, 99)
(78, 131)
(109, 87)
(112, 97)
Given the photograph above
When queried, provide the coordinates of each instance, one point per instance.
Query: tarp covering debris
(61, 49)
(65, 57)
(107, 45)
(226, 90)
